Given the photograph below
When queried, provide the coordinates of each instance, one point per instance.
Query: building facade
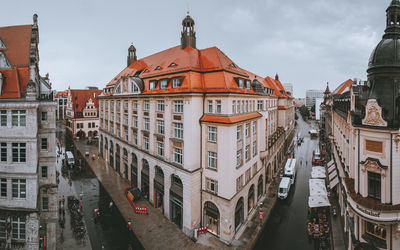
(289, 88)
(200, 136)
(28, 189)
(82, 112)
(311, 95)
(61, 97)
(363, 126)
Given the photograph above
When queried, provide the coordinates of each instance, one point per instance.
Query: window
(152, 84)
(178, 106)
(376, 230)
(238, 158)
(238, 133)
(18, 118)
(45, 203)
(146, 105)
(44, 116)
(246, 131)
(125, 120)
(18, 228)
(254, 169)
(176, 83)
(160, 127)
(248, 84)
(134, 88)
(135, 122)
(254, 126)
(135, 104)
(254, 148)
(178, 155)
(219, 107)
(163, 84)
(3, 187)
(374, 185)
(160, 149)
(160, 106)
(259, 105)
(3, 227)
(126, 105)
(212, 186)
(247, 175)
(212, 160)
(118, 105)
(239, 183)
(233, 107)
(238, 107)
(212, 134)
(147, 124)
(241, 83)
(135, 141)
(247, 152)
(3, 149)
(246, 108)
(210, 106)
(3, 118)
(178, 130)
(44, 144)
(146, 143)
(19, 152)
(19, 188)
(44, 171)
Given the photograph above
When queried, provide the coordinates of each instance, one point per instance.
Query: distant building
(311, 95)
(318, 102)
(289, 88)
(61, 98)
(82, 112)
(298, 102)
(28, 197)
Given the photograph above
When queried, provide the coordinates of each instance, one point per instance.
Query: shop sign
(368, 212)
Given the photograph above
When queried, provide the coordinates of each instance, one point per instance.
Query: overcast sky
(307, 42)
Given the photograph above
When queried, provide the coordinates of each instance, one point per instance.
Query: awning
(332, 175)
(317, 187)
(333, 182)
(318, 173)
(318, 201)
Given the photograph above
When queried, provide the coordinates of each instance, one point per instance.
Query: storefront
(239, 214)
(159, 189)
(134, 170)
(176, 201)
(145, 180)
(211, 217)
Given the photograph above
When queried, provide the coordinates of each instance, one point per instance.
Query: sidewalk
(154, 230)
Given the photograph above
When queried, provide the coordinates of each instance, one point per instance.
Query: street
(286, 228)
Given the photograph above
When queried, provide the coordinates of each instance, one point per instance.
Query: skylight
(4, 64)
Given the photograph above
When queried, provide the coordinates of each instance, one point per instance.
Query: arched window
(260, 189)
(211, 217)
(250, 199)
(239, 214)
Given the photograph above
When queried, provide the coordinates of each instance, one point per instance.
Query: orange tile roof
(342, 87)
(62, 93)
(80, 97)
(229, 119)
(17, 40)
(282, 107)
(205, 70)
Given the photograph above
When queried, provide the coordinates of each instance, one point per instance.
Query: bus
(69, 158)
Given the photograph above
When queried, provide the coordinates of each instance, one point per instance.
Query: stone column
(32, 232)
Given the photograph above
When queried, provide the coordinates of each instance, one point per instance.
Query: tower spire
(188, 35)
(131, 54)
(393, 20)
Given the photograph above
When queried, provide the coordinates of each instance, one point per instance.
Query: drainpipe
(201, 164)
(358, 162)
(391, 167)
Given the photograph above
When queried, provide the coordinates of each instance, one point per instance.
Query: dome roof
(386, 53)
(188, 21)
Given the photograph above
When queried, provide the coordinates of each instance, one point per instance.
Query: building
(28, 197)
(82, 112)
(289, 88)
(363, 122)
(311, 95)
(61, 98)
(200, 136)
(318, 102)
(298, 102)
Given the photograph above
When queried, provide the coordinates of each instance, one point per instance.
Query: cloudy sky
(308, 42)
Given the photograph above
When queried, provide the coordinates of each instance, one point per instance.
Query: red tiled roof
(342, 87)
(17, 40)
(80, 97)
(205, 70)
(229, 119)
(282, 107)
(62, 93)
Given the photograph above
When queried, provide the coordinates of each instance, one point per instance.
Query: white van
(284, 188)
(69, 158)
(290, 169)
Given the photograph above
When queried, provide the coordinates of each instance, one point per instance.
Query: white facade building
(61, 98)
(311, 95)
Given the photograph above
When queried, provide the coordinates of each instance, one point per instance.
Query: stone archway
(118, 158)
(81, 134)
(250, 199)
(159, 188)
(260, 189)
(125, 160)
(176, 201)
(145, 179)
(134, 170)
(211, 217)
(239, 214)
(111, 162)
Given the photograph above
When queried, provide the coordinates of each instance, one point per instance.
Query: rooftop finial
(35, 16)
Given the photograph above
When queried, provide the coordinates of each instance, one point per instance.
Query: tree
(304, 112)
(313, 108)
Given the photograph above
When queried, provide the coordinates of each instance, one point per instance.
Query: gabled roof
(16, 41)
(342, 87)
(80, 97)
(205, 70)
(62, 94)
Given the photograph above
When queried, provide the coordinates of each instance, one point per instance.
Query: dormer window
(176, 83)
(248, 85)
(145, 71)
(152, 84)
(232, 65)
(134, 88)
(118, 89)
(4, 64)
(163, 83)
(241, 83)
(172, 64)
(2, 45)
(158, 68)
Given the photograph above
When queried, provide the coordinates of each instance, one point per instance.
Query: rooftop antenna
(187, 5)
